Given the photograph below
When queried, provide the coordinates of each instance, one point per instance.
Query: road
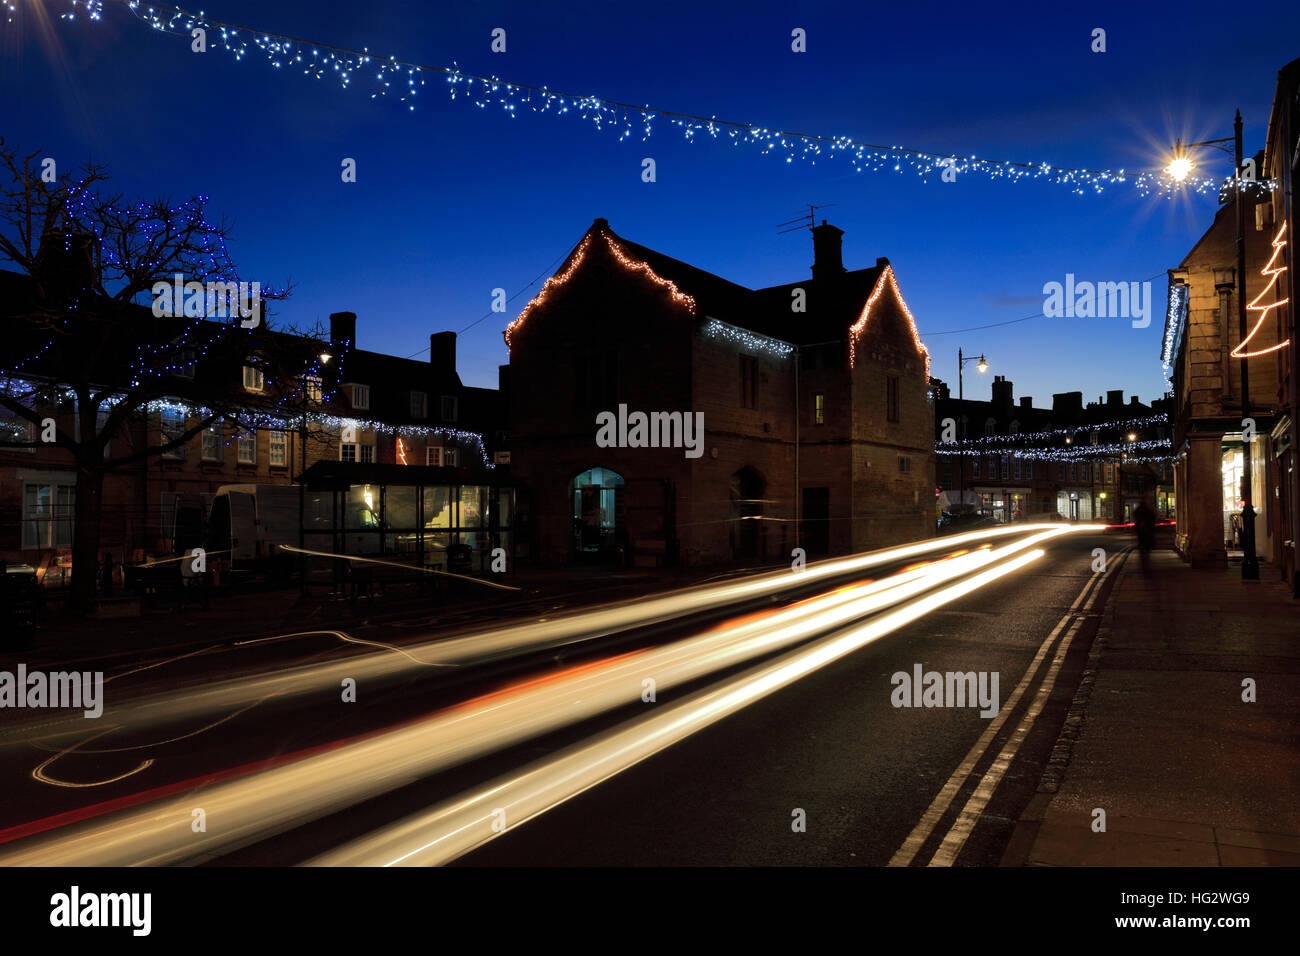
(809, 763)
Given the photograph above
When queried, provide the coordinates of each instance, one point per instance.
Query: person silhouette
(1144, 526)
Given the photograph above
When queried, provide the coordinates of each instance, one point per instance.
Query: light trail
(257, 806)
(465, 822)
(497, 643)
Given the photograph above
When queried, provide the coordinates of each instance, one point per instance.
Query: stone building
(806, 403)
(1201, 331)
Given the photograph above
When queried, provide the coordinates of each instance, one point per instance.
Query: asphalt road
(862, 771)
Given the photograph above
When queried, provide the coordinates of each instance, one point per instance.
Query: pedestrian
(1144, 526)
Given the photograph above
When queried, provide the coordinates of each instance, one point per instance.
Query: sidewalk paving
(1188, 774)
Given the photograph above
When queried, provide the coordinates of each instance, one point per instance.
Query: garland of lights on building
(390, 76)
(258, 420)
(1016, 444)
(856, 329)
(580, 254)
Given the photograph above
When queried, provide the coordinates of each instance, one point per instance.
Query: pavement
(1160, 738)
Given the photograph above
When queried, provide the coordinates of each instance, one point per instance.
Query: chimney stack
(1115, 397)
(1026, 402)
(828, 255)
(442, 355)
(343, 328)
(1002, 397)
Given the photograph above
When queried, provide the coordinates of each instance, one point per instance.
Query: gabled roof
(833, 305)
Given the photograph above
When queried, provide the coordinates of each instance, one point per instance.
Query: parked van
(251, 521)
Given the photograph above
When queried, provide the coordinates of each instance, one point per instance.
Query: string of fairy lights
(1030, 445)
(393, 77)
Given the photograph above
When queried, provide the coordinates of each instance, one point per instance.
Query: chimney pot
(343, 328)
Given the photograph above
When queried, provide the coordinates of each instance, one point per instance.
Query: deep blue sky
(452, 202)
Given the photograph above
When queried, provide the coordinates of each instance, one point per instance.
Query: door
(243, 526)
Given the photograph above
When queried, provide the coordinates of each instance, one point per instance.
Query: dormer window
(419, 405)
(450, 407)
(253, 381)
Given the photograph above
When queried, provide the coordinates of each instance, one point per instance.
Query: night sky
(452, 202)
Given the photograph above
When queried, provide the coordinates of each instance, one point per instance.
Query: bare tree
(78, 334)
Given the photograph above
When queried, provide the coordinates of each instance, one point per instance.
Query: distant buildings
(813, 395)
(333, 403)
(1081, 463)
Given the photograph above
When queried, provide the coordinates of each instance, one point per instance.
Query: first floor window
(1006, 467)
(449, 457)
(433, 456)
(212, 448)
(173, 426)
(367, 453)
(419, 405)
(450, 408)
(278, 444)
(904, 464)
(975, 469)
(819, 408)
(248, 448)
(48, 515)
(253, 378)
(348, 451)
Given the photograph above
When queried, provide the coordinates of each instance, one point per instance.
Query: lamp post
(983, 366)
(1179, 166)
(324, 357)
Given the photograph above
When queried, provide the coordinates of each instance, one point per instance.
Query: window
(450, 457)
(1006, 467)
(819, 408)
(212, 448)
(1074, 471)
(975, 469)
(748, 381)
(47, 515)
(313, 388)
(278, 448)
(1014, 428)
(947, 482)
(360, 396)
(450, 407)
(1060, 471)
(348, 451)
(1094, 436)
(1016, 467)
(419, 405)
(15, 429)
(891, 398)
(433, 456)
(1110, 472)
(904, 464)
(253, 378)
(247, 452)
(367, 453)
(172, 426)
(990, 427)
(185, 360)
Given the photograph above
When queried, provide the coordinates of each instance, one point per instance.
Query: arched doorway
(747, 487)
(596, 496)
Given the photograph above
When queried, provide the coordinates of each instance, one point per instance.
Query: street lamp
(1179, 167)
(324, 358)
(983, 366)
